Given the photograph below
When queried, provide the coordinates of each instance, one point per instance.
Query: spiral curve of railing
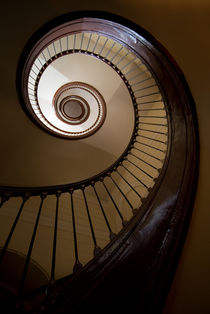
(72, 227)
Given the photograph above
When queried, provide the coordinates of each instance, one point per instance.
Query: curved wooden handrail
(133, 272)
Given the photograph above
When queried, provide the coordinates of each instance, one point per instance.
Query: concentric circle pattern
(72, 103)
(69, 105)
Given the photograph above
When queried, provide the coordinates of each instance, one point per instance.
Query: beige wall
(183, 27)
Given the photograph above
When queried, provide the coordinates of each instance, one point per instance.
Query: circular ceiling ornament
(69, 105)
(80, 106)
(74, 109)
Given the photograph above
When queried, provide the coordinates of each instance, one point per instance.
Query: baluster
(111, 233)
(124, 222)
(110, 50)
(122, 58)
(153, 147)
(44, 57)
(32, 78)
(67, 43)
(40, 63)
(81, 41)
(150, 102)
(129, 184)
(125, 66)
(100, 53)
(150, 94)
(21, 286)
(142, 151)
(144, 80)
(52, 276)
(89, 39)
(96, 247)
(119, 189)
(143, 88)
(37, 67)
(77, 265)
(153, 109)
(74, 44)
(54, 48)
(132, 163)
(145, 162)
(153, 117)
(94, 48)
(49, 52)
(132, 69)
(34, 72)
(25, 198)
(152, 123)
(139, 74)
(152, 131)
(135, 176)
(116, 54)
(61, 50)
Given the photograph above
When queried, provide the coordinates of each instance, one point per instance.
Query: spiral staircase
(103, 225)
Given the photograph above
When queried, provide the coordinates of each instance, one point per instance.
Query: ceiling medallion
(79, 103)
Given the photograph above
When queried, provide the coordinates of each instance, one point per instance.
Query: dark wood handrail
(134, 271)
